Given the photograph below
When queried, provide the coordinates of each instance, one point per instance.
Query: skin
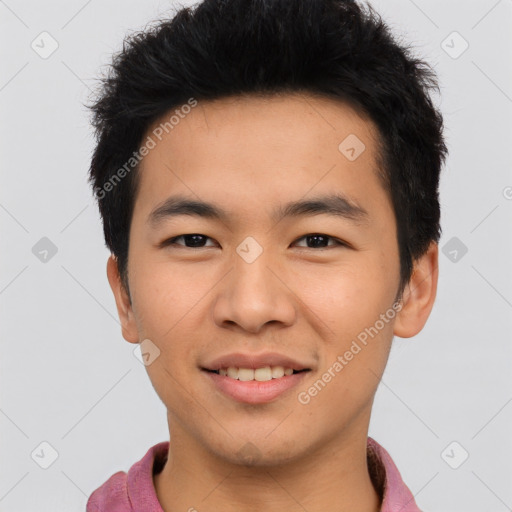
(249, 155)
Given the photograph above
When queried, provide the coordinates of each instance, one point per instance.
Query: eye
(319, 241)
(195, 240)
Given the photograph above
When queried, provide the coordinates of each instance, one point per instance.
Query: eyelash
(172, 241)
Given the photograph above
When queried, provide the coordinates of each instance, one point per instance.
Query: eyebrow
(336, 205)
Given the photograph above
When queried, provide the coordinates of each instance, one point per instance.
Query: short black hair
(338, 49)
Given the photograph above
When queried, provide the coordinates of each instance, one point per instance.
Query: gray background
(68, 378)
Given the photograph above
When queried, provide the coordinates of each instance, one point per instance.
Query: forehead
(278, 119)
(265, 149)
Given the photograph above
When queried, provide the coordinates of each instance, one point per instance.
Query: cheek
(351, 368)
(169, 306)
(164, 307)
(163, 298)
(348, 298)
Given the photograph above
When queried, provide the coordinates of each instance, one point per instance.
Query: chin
(260, 451)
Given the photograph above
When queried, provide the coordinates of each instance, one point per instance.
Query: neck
(334, 476)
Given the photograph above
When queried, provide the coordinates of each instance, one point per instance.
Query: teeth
(277, 371)
(232, 372)
(245, 374)
(260, 374)
(263, 374)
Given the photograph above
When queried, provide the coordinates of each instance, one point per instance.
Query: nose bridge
(252, 295)
(251, 271)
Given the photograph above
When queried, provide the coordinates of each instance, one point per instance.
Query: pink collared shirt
(135, 491)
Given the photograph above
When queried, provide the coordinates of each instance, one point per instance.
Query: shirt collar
(394, 494)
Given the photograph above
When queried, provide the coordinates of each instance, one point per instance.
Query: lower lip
(253, 391)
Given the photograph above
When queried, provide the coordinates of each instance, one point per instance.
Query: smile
(254, 386)
(260, 374)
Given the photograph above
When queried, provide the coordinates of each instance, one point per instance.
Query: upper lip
(254, 361)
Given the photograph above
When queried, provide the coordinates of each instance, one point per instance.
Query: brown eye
(192, 240)
(320, 241)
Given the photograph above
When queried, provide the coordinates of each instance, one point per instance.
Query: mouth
(263, 374)
(255, 386)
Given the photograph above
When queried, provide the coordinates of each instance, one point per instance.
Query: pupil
(196, 238)
(316, 238)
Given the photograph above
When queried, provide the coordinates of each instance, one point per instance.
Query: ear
(124, 308)
(419, 295)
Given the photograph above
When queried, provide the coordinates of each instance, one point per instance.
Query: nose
(253, 295)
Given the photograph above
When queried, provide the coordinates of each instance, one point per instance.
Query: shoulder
(132, 491)
(111, 494)
(386, 478)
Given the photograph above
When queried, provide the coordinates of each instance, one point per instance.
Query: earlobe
(419, 295)
(124, 308)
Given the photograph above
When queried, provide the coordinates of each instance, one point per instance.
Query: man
(267, 173)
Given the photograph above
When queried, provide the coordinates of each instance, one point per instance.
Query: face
(251, 275)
